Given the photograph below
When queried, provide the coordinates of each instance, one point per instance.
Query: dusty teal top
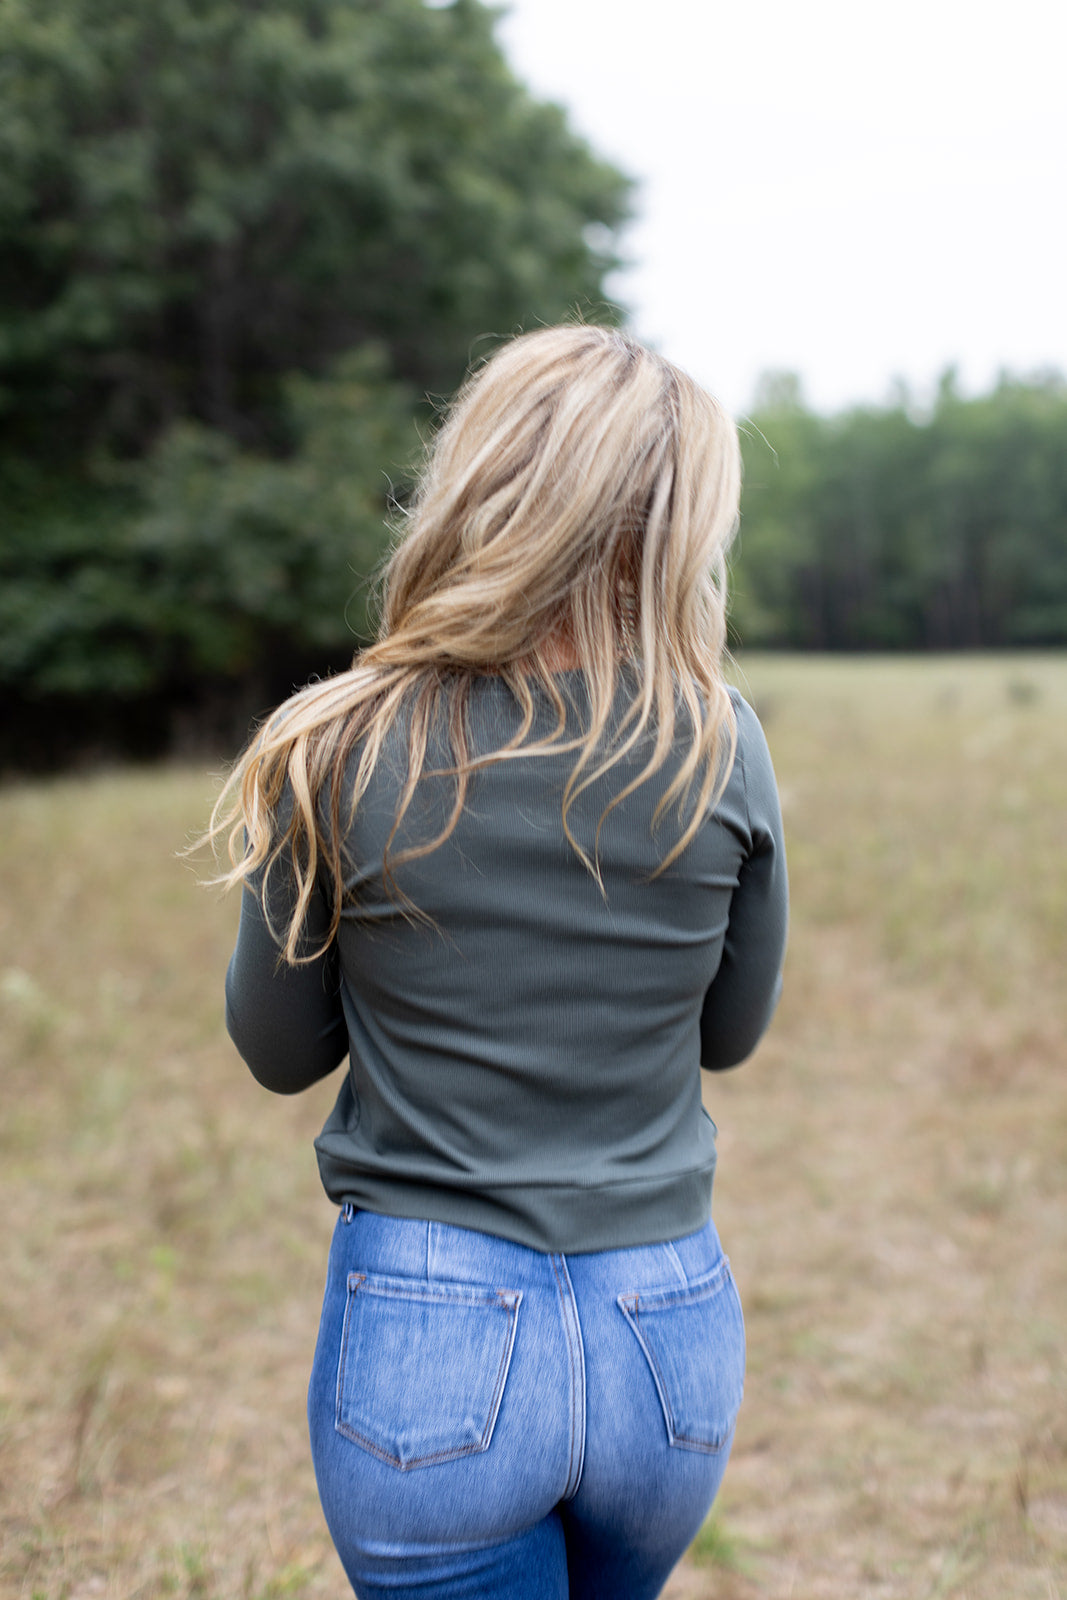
(528, 1062)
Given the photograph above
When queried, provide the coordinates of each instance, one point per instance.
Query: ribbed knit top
(527, 1061)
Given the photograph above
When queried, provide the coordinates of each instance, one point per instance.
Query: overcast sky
(850, 191)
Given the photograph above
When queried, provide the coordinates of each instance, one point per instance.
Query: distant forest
(246, 249)
(883, 529)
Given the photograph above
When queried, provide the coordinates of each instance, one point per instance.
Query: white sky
(852, 191)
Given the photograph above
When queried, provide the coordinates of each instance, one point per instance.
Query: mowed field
(892, 1182)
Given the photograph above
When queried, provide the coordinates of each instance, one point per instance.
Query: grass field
(892, 1182)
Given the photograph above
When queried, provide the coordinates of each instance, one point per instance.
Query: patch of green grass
(292, 1580)
(714, 1546)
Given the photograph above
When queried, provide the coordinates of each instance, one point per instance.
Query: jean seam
(677, 1260)
(572, 1334)
(692, 1291)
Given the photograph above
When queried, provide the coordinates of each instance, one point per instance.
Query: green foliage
(238, 548)
(70, 619)
(241, 242)
(225, 554)
(876, 529)
(198, 197)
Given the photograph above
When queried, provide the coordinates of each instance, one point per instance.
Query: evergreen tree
(244, 244)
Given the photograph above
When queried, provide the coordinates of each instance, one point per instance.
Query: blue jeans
(488, 1420)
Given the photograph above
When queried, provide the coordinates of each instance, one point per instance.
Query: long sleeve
(742, 998)
(287, 1022)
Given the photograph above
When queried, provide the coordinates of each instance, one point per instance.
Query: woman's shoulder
(752, 760)
(748, 722)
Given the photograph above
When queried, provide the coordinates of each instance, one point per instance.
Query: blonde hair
(582, 494)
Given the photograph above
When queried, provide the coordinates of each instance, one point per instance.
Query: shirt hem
(573, 1219)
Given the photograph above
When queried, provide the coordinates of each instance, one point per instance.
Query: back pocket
(693, 1338)
(422, 1367)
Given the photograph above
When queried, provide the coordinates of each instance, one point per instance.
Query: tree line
(247, 247)
(885, 528)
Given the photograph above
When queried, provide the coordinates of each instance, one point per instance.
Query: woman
(523, 865)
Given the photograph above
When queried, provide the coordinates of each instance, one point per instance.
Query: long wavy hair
(576, 505)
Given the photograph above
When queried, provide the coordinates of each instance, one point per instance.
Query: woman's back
(525, 1052)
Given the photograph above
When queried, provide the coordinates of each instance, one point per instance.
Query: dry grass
(892, 1183)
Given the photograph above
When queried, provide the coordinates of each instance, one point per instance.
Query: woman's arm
(287, 1022)
(741, 1000)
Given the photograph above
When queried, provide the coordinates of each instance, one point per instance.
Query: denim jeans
(488, 1420)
